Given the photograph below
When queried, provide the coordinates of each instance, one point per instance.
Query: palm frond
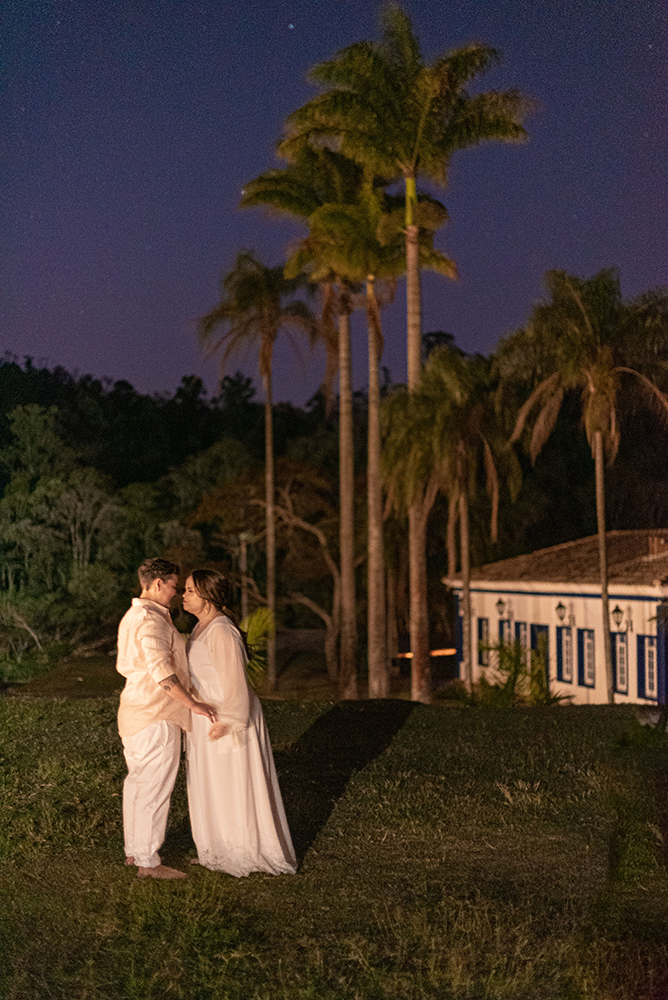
(257, 627)
(492, 478)
(460, 66)
(544, 390)
(434, 260)
(544, 425)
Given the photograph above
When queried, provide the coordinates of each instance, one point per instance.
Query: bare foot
(129, 861)
(160, 871)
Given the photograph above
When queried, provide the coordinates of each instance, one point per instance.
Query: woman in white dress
(236, 811)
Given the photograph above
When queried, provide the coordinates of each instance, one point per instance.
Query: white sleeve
(155, 640)
(229, 659)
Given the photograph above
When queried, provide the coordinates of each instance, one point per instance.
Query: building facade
(551, 600)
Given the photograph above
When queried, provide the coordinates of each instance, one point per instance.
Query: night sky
(131, 126)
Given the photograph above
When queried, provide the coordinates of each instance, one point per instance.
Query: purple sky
(131, 126)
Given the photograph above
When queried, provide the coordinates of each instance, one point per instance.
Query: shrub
(519, 677)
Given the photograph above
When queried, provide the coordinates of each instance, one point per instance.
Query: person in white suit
(155, 708)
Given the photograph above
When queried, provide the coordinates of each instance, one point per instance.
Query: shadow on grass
(314, 772)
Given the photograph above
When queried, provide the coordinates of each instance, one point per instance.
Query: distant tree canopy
(133, 437)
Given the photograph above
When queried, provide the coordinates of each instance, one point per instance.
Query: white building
(552, 599)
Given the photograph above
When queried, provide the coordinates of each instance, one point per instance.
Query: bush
(519, 678)
(36, 630)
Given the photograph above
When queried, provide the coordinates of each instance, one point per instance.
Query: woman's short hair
(212, 586)
(156, 569)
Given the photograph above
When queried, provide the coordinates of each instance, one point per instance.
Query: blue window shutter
(661, 623)
(640, 641)
(581, 670)
(613, 660)
(560, 653)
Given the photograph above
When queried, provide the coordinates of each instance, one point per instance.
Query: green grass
(454, 854)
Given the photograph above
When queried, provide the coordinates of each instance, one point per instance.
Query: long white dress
(236, 811)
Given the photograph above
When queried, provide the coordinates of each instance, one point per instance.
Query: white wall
(537, 604)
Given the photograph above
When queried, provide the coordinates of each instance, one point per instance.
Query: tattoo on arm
(169, 682)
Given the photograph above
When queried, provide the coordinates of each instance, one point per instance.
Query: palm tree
(413, 479)
(347, 237)
(584, 340)
(256, 301)
(402, 118)
(314, 179)
(344, 236)
(456, 389)
(437, 439)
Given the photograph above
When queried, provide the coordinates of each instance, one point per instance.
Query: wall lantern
(561, 611)
(500, 607)
(617, 615)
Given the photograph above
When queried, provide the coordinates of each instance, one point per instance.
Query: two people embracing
(199, 689)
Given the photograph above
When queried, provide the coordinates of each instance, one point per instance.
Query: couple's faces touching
(164, 591)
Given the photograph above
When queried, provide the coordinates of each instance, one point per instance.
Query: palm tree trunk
(271, 529)
(467, 657)
(413, 298)
(419, 616)
(603, 563)
(451, 536)
(348, 635)
(391, 616)
(377, 652)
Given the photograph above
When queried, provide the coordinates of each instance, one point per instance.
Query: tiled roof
(634, 557)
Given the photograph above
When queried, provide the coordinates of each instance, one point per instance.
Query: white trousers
(152, 756)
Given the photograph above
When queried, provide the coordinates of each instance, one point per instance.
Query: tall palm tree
(349, 238)
(256, 301)
(314, 179)
(344, 236)
(583, 340)
(402, 118)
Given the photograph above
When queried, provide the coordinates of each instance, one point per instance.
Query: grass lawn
(444, 853)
